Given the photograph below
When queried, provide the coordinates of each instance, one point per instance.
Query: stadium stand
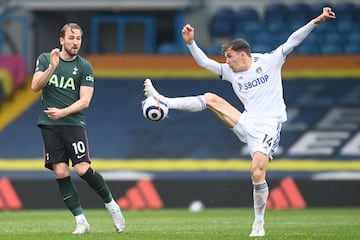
(6, 84)
(222, 22)
(13, 73)
(280, 19)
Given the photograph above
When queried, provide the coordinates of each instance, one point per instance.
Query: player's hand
(54, 113)
(188, 33)
(55, 57)
(327, 13)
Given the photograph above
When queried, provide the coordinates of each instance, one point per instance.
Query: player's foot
(82, 228)
(118, 218)
(150, 91)
(257, 229)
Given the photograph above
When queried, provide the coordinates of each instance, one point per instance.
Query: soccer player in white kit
(256, 80)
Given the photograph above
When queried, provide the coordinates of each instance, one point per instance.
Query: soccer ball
(154, 109)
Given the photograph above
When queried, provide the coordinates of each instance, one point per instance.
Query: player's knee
(61, 170)
(257, 174)
(81, 168)
(211, 99)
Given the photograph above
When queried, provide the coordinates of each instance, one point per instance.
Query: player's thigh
(222, 109)
(54, 147)
(76, 143)
(263, 136)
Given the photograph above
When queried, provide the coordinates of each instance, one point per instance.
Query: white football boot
(150, 91)
(82, 228)
(118, 218)
(257, 229)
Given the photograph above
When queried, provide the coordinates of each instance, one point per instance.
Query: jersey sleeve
(276, 57)
(42, 62)
(87, 78)
(226, 72)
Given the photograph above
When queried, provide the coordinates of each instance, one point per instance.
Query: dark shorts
(64, 143)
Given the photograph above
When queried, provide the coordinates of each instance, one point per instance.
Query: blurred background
(187, 156)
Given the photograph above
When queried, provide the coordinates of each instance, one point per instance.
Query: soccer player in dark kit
(67, 84)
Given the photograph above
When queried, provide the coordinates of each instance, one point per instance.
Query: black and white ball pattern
(154, 109)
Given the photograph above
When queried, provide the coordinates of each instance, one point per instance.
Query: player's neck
(66, 57)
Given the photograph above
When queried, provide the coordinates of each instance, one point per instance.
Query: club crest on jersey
(75, 70)
(259, 70)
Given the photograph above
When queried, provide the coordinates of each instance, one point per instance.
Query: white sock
(111, 205)
(260, 195)
(81, 219)
(191, 104)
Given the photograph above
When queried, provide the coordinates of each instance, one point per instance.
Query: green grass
(180, 224)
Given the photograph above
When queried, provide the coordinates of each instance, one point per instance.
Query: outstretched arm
(299, 35)
(200, 57)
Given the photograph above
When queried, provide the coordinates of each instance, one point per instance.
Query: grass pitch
(180, 224)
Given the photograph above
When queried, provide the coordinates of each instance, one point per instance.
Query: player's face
(235, 60)
(71, 42)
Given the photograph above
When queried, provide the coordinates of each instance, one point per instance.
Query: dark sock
(70, 195)
(96, 182)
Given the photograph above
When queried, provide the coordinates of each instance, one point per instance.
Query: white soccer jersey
(260, 88)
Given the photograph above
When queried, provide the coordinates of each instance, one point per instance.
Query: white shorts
(261, 134)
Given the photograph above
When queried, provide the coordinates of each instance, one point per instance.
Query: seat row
(279, 20)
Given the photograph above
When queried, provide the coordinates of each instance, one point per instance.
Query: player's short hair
(237, 45)
(71, 26)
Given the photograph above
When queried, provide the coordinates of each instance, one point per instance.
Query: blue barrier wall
(323, 123)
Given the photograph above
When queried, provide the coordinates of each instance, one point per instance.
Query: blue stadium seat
(275, 27)
(353, 38)
(346, 11)
(214, 49)
(353, 48)
(241, 27)
(314, 38)
(240, 34)
(346, 27)
(307, 49)
(334, 38)
(296, 24)
(261, 47)
(325, 27)
(316, 8)
(330, 49)
(222, 22)
(276, 12)
(245, 14)
(254, 28)
(262, 38)
(280, 38)
(299, 11)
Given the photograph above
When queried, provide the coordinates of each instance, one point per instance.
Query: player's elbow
(35, 88)
(85, 103)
